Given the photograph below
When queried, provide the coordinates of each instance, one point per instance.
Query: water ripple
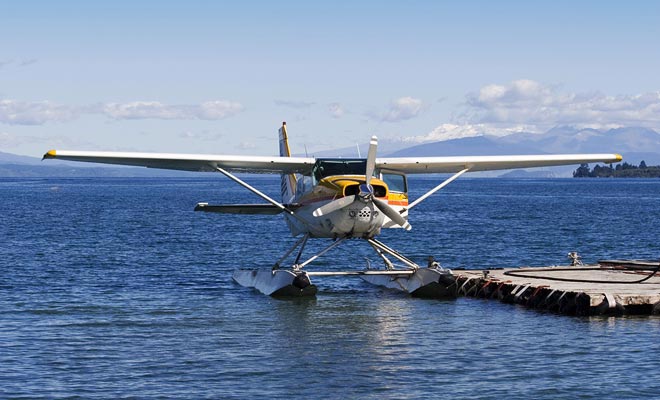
(102, 297)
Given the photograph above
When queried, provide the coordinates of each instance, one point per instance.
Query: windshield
(329, 167)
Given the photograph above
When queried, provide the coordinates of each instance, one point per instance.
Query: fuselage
(335, 178)
(359, 219)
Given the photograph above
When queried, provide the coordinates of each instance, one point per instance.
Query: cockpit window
(395, 182)
(330, 167)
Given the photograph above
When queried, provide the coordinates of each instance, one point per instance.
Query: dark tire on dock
(509, 297)
(567, 303)
(538, 297)
(503, 291)
(582, 304)
(552, 301)
(487, 290)
(656, 309)
(605, 308)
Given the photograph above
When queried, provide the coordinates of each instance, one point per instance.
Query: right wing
(191, 162)
(434, 165)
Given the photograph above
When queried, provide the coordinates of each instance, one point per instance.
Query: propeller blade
(371, 160)
(392, 214)
(334, 205)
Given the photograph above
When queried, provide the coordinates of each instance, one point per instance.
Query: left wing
(432, 165)
(191, 162)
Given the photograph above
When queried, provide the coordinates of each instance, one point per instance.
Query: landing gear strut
(431, 281)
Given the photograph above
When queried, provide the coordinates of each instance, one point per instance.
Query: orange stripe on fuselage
(397, 202)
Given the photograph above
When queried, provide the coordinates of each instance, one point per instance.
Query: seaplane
(337, 199)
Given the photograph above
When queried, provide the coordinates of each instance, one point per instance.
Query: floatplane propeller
(338, 199)
(366, 194)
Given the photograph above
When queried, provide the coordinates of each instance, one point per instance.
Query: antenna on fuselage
(358, 149)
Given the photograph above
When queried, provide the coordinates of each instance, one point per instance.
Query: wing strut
(382, 247)
(440, 186)
(263, 195)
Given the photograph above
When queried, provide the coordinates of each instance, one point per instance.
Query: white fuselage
(358, 220)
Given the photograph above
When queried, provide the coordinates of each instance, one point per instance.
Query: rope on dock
(524, 273)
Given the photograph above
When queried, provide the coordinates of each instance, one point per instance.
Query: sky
(219, 77)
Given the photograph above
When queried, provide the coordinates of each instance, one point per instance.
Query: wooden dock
(605, 288)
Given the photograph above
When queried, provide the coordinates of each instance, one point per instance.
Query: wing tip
(50, 154)
(619, 157)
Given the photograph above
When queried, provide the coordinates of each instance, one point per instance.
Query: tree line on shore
(622, 170)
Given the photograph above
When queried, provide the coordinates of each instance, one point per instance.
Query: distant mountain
(63, 171)
(8, 158)
(384, 147)
(558, 172)
(635, 144)
(469, 146)
(15, 166)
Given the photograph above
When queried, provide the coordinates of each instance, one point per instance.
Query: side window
(304, 183)
(395, 182)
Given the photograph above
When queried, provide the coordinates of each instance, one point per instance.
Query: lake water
(115, 288)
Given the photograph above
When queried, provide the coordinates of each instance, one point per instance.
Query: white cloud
(446, 132)
(542, 106)
(219, 109)
(210, 110)
(336, 110)
(402, 109)
(529, 106)
(459, 131)
(16, 112)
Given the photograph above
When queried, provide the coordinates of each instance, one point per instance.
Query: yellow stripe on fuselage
(333, 187)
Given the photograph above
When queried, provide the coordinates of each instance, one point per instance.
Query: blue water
(115, 288)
